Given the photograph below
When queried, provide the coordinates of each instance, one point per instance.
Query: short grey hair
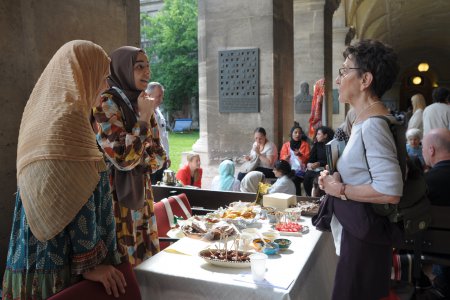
(414, 132)
(151, 86)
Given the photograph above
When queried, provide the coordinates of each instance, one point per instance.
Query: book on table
(334, 149)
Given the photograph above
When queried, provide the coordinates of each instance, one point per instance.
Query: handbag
(250, 165)
(130, 187)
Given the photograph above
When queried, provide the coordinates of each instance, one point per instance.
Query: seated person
(191, 173)
(251, 181)
(296, 152)
(225, 181)
(265, 150)
(413, 147)
(318, 158)
(284, 183)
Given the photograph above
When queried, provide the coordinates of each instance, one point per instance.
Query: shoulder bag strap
(125, 99)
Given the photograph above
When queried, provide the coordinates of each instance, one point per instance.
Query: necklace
(365, 109)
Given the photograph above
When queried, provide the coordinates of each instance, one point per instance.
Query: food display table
(304, 271)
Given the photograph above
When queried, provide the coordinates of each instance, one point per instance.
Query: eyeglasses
(344, 71)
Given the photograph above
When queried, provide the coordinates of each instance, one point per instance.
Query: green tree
(173, 50)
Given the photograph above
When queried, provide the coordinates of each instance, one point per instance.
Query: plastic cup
(258, 266)
(245, 241)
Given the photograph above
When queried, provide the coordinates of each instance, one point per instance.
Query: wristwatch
(342, 192)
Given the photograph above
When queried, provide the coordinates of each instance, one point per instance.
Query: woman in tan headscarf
(128, 134)
(63, 228)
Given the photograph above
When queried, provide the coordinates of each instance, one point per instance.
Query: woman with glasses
(367, 172)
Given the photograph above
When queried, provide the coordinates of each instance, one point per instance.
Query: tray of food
(199, 228)
(226, 258)
(309, 208)
(291, 229)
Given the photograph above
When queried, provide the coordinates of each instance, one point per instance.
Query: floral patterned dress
(38, 270)
(137, 233)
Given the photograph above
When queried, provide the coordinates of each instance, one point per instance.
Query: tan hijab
(57, 156)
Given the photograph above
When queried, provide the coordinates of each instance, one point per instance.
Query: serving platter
(205, 254)
(303, 230)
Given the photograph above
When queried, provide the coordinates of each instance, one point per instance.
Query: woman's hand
(111, 278)
(331, 184)
(146, 107)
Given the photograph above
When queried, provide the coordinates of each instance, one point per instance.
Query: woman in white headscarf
(251, 181)
(63, 227)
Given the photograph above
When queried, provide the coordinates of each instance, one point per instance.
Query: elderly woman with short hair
(367, 172)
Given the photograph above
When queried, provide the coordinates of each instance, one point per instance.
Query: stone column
(313, 49)
(340, 32)
(244, 24)
(308, 47)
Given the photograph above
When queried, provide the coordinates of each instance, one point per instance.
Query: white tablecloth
(310, 265)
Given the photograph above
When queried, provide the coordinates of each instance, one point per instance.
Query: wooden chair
(165, 211)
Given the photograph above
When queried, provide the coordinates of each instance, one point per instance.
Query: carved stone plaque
(239, 80)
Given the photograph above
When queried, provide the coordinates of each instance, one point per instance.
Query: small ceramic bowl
(258, 244)
(272, 249)
(283, 243)
(271, 235)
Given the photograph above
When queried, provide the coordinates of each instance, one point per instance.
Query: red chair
(165, 210)
(87, 289)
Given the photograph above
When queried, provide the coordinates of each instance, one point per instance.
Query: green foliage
(179, 143)
(173, 51)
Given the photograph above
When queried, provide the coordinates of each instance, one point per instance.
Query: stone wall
(237, 24)
(31, 33)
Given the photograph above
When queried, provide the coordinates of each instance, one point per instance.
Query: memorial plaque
(239, 80)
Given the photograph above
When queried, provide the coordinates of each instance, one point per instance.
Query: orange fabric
(184, 175)
(315, 120)
(304, 150)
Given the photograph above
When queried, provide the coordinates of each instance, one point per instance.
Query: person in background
(437, 115)
(296, 152)
(418, 104)
(63, 227)
(363, 239)
(413, 147)
(225, 181)
(128, 135)
(284, 183)
(250, 183)
(265, 150)
(156, 91)
(436, 152)
(191, 173)
(318, 157)
(297, 149)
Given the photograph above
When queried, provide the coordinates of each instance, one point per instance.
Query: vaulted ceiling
(417, 29)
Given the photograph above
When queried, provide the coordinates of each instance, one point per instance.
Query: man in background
(436, 153)
(156, 90)
(437, 115)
